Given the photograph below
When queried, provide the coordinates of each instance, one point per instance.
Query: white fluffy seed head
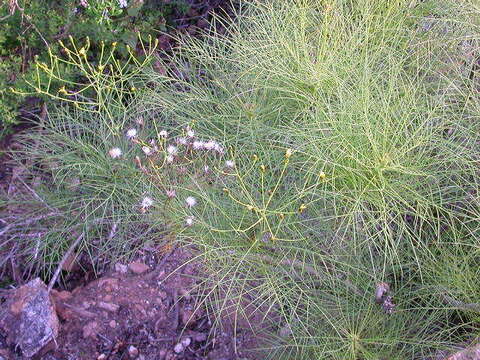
(190, 133)
(181, 141)
(171, 193)
(219, 149)
(115, 153)
(147, 202)
(163, 133)
(172, 150)
(170, 159)
(191, 201)
(210, 145)
(131, 133)
(147, 150)
(198, 145)
(189, 220)
(229, 164)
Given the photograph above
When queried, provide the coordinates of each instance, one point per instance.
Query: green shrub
(321, 149)
(383, 170)
(46, 22)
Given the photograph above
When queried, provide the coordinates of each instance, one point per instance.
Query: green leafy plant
(47, 22)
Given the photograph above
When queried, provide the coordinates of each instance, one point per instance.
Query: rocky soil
(136, 311)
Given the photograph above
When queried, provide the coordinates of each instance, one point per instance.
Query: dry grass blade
(66, 255)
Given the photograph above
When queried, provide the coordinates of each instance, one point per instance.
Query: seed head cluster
(184, 150)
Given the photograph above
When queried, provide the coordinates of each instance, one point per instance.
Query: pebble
(108, 306)
(85, 304)
(133, 352)
(121, 268)
(179, 348)
(90, 329)
(187, 341)
(138, 267)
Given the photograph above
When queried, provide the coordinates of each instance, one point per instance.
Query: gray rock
(28, 318)
(121, 268)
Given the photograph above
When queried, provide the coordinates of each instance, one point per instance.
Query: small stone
(112, 324)
(138, 268)
(179, 348)
(90, 329)
(108, 306)
(133, 352)
(121, 268)
(109, 284)
(187, 341)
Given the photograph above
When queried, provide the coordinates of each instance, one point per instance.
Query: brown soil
(141, 312)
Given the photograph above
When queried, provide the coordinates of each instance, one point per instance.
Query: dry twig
(64, 259)
(447, 299)
(470, 353)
